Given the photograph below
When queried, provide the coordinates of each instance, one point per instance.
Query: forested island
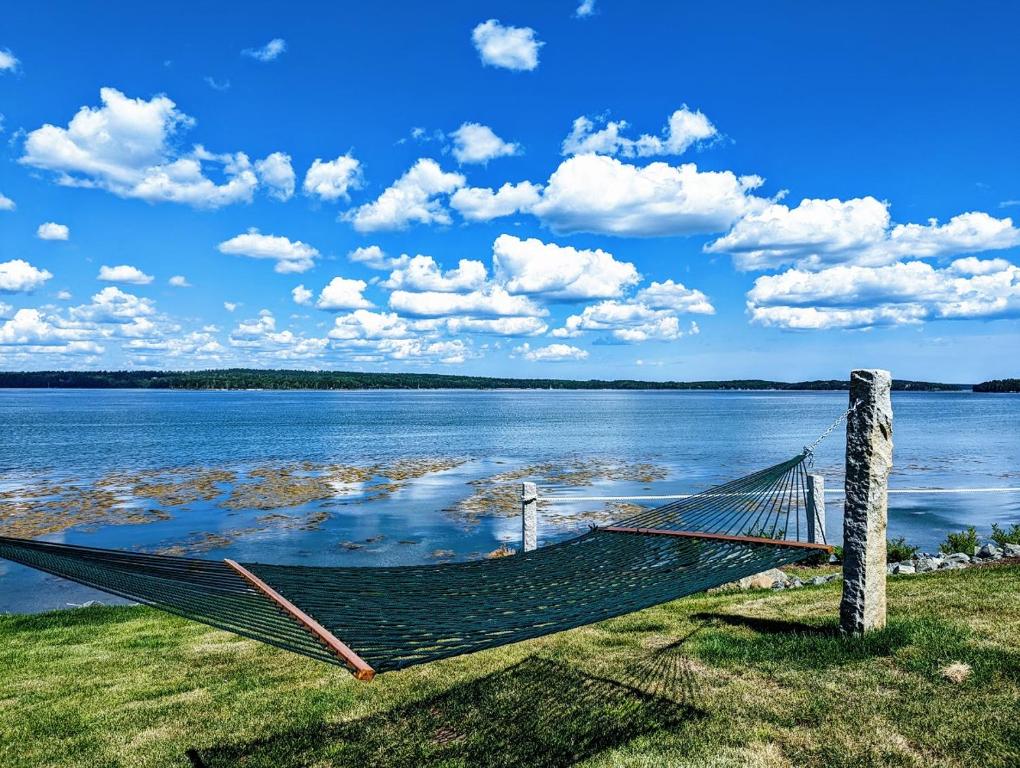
(250, 378)
(998, 385)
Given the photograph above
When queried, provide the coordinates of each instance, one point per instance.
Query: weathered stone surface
(989, 551)
(925, 564)
(819, 580)
(529, 516)
(958, 557)
(765, 580)
(868, 463)
(1011, 550)
(950, 565)
(816, 509)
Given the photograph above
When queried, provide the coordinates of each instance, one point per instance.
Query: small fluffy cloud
(595, 193)
(482, 204)
(128, 147)
(301, 295)
(6, 204)
(29, 329)
(675, 297)
(497, 326)
(559, 272)
(506, 47)
(123, 273)
(585, 8)
(820, 233)
(476, 143)
(179, 281)
(373, 257)
(333, 179)
(268, 52)
(290, 255)
(627, 322)
(413, 198)
(260, 336)
(906, 292)
(18, 276)
(343, 293)
(551, 353)
(52, 231)
(380, 336)
(684, 129)
(277, 174)
(8, 61)
(493, 301)
(422, 273)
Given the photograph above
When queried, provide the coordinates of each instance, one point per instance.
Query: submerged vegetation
(759, 679)
(246, 378)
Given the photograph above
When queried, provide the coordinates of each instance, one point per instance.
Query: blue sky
(658, 191)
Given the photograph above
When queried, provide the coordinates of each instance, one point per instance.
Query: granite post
(869, 451)
(816, 509)
(529, 517)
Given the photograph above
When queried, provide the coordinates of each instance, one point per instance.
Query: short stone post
(816, 509)
(529, 517)
(868, 463)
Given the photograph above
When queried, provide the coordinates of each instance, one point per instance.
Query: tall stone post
(816, 509)
(868, 463)
(529, 516)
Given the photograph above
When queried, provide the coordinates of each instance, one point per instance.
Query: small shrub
(898, 551)
(964, 541)
(837, 550)
(1002, 538)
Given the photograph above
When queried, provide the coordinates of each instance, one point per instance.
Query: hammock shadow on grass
(538, 712)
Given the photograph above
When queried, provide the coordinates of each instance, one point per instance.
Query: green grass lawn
(730, 679)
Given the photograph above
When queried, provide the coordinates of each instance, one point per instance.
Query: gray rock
(1011, 550)
(952, 565)
(958, 557)
(905, 568)
(989, 551)
(926, 564)
(796, 583)
(765, 580)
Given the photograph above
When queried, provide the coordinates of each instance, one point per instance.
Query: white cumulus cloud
(550, 353)
(559, 272)
(179, 281)
(301, 295)
(127, 147)
(8, 61)
(333, 179)
(123, 273)
(627, 322)
(290, 255)
(596, 193)
(852, 296)
(413, 198)
(6, 204)
(482, 204)
(277, 174)
(52, 231)
(476, 143)
(493, 301)
(373, 257)
(820, 233)
(422, 273)
(684, 129)
(18, 276)
(506, 47)
(343, 293)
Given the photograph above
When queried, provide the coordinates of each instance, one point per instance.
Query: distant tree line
(998, 385)
(248, 378)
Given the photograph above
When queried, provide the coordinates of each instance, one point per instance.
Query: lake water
(86, 466)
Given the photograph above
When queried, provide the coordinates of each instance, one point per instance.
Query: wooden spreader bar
(717, 537)
(357, 665)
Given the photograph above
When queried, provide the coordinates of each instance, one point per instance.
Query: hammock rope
(386, 618)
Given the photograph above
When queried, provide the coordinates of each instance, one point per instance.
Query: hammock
(379, 619)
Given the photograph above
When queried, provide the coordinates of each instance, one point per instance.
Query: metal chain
(809, 450)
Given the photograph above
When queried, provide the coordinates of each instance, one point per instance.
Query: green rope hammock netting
(391, 618)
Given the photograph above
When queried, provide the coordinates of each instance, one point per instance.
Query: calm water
(942, 440)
